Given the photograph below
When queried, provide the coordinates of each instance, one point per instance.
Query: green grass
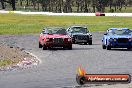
(24, 24)
(6, 62)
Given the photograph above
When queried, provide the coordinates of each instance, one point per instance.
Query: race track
(58, 68)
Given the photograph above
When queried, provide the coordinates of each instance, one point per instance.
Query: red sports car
(54, 37)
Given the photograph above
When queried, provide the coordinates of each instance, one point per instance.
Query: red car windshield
(56, 31)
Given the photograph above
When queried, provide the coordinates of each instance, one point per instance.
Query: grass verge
(6, 62)
(24, 24)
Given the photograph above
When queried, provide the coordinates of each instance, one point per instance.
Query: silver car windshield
(79, 30)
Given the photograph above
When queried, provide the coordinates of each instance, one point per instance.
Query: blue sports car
(117, 38)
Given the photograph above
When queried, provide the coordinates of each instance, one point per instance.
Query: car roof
(78, 26)
(53, 28)
(118, 28)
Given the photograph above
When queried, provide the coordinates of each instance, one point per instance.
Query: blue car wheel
(108, 48)
(103, 46)
(129, 48)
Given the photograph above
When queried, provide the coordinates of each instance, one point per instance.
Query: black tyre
(44, 47)
(103, 46)
(129, 48)
(40, 46)
(50, 48)
(85, 43)
(108, 48)
(70, 47)
(80, 80)
(74, 42)
(90, 42)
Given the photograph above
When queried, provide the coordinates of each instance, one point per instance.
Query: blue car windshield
(79, 30)
(120, 32)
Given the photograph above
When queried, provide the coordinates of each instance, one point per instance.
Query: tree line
(68, 6)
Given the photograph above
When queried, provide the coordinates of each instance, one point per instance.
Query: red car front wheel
(40, 46)
(70, 47)
(44, 47)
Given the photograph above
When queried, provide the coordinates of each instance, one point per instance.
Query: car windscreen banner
(83, 78)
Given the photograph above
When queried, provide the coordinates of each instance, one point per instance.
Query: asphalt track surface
(58, 67)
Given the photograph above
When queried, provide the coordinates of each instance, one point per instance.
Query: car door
(104, 39)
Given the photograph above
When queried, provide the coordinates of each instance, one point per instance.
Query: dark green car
(80, 34)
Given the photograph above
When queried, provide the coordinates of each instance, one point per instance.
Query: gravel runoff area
(59, 67)
(18, 57)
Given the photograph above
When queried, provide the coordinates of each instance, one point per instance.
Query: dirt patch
(16, 57)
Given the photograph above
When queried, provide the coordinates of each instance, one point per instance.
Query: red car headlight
(67, 39)
(49, 39)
